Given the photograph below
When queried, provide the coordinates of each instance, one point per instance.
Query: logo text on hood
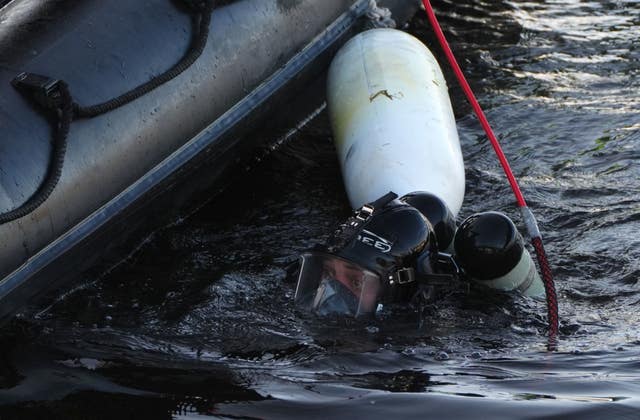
(375, 241)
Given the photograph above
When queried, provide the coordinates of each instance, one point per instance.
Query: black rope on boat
(54, 96)
(57, 101)
(202, 18)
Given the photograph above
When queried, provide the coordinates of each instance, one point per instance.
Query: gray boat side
(257, 53)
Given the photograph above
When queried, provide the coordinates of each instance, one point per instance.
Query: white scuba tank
(394, 129)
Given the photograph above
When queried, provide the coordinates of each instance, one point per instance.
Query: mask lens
(332, 285)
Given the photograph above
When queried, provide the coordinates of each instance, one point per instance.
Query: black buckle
(197, 6)
(450, 281)
(35, 82)
(447, 260)
(44, 90)
(404, 275)
(365, 212)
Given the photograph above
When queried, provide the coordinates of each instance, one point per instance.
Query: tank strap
(427, 287)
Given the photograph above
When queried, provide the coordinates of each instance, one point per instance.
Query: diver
(406, 250)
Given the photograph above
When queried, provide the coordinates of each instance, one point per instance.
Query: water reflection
(200, 314)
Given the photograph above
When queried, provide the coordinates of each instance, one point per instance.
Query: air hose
(53, 97)
(527, 214)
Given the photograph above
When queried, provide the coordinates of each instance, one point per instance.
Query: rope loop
(54, 96)
(378, 17)
(203, 10)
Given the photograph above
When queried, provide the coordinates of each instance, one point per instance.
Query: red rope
(474, 102)
(550, 290)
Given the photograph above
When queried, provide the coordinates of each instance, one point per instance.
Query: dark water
(198, 321)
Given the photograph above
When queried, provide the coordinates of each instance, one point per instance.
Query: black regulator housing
(437, 213)
(488, 245)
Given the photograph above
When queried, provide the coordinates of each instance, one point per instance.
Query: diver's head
(369, 260)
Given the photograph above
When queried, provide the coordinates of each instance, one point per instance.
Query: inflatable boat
(111, 172)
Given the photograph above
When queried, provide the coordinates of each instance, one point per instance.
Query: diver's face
(352, 277)
(328, 284)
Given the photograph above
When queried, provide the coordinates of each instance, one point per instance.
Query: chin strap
(428, 281)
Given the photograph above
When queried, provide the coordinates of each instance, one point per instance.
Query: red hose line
(550, 290)
(474, 102)
(534, 233)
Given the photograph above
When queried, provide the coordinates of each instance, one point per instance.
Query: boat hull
(125, 170)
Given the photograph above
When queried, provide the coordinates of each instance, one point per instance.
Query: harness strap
(348, 231)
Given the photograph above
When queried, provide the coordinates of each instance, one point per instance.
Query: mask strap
(350, 229)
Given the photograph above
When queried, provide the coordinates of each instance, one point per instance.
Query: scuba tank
(392, 121)
(491, 251)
